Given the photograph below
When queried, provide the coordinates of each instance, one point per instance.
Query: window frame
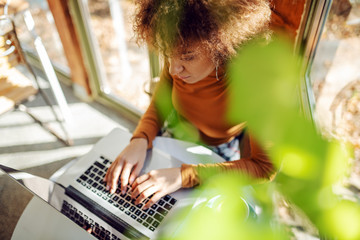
(95, 68)
(307, 41)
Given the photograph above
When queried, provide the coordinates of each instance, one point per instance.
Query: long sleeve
(253, 161)
(148, 126)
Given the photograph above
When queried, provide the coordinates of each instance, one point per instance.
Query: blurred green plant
(177, 126)
(222, 212)
(263, 83)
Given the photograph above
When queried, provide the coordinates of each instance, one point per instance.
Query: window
(39, 14)
(335, 72)
(120, 69)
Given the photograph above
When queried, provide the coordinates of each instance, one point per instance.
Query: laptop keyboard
(150, 218)
(86, 222)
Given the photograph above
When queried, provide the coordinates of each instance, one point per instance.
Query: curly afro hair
(220, 26)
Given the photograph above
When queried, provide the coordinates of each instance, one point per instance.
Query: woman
(197, 38)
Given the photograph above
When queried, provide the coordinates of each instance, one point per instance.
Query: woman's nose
(175, 66)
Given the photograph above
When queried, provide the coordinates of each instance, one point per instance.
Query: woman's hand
(157, 183)
(127, 165)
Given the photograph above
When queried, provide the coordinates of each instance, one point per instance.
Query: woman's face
(191, 65)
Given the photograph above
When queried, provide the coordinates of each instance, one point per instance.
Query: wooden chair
(15, 88)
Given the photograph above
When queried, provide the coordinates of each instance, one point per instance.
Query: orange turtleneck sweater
(204, 104)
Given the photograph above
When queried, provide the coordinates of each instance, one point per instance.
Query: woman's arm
(130, 161)
(164, 181)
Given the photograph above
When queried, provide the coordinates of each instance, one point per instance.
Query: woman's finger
(140, 180)
(112, 176)
(156, 197)
(141, 188)
(135, 172)
(124, 178)
(108, 173)
(146, 194)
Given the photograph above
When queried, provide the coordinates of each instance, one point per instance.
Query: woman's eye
(188, 58)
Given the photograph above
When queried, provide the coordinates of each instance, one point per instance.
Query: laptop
(77, 191)
(84, 200)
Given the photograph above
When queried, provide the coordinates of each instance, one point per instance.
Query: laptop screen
(40, 218)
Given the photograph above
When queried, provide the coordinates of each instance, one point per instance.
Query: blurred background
(107, 81)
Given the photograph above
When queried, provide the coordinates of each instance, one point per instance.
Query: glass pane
(335, 73)
(45, 28)
(125, 64)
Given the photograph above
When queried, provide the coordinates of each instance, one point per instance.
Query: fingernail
(131, 180)
(107, 187)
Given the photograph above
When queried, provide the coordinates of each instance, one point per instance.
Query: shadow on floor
(25, 145)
